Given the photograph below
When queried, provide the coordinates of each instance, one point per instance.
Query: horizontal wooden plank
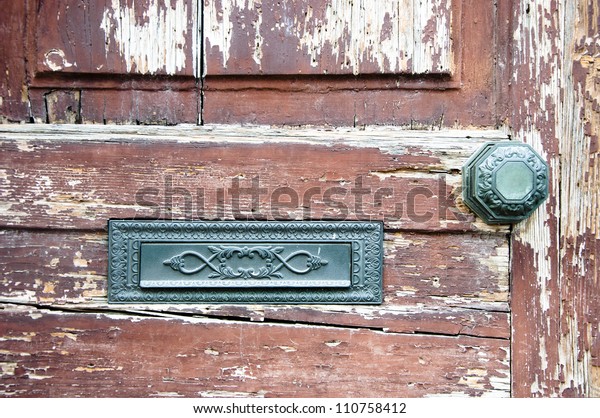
(167, 106)
(116, 37)
(78, 178)
(48, 354)
(461, 289)
(424, 109)
(341, 37)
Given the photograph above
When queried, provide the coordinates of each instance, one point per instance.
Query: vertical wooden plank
(555, 272)
(579, 346)
(535, 242)
(13, 84)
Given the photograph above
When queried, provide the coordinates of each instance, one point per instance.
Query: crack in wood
(189, 316)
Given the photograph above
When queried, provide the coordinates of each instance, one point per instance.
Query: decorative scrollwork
(487, 192)
(223, 271)
(366, 257)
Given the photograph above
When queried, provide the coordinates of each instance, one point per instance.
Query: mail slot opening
(246, 264)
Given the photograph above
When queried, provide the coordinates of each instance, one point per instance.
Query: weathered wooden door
(299, 110)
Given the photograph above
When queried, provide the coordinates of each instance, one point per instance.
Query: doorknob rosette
(505, 182)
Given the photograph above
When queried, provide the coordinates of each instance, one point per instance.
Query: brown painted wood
(443, 328)
(69, 270)
(555, 270)
(115, 37)
(547, 54)
(416, 101)
(128, 61)
(79, 184)
(13, 78)
(345, 37)
(120, 356)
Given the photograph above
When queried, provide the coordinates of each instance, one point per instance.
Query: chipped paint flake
(238, 372)
(152, 44)
(69, 335)
(79, 261)
(7, 368)
(56, 60)
(97, 369)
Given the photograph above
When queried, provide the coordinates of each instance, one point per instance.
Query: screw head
(504, 182)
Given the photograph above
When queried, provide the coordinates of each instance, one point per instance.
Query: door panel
(443, 326)
(116, 37)
(338, 68)
(340, 37)
(118, 61)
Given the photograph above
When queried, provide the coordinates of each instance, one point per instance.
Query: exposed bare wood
(219, 173)
(63, 106)
(52, 354)
(116, 36)
(68, 269)
(556, 110)
(467, 98)
(338, 37)
(579, 130)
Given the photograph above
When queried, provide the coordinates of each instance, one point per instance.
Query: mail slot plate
(245, 262)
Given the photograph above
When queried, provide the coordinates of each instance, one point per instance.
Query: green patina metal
(245, 262)
(505, 182)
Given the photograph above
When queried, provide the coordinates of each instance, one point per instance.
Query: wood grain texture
(471, 97)
(555, 322)
(116, 36)
(579, 343)
(68, 269)
(229, 173)
(13, 77)
(339, 37)
(443, 328)
(44, 353)
(126, 61)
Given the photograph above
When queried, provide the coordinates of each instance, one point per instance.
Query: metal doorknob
(505, 182)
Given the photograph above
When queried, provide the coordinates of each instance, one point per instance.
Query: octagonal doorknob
(505, 182)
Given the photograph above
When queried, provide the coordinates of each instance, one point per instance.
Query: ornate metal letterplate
(245, 262)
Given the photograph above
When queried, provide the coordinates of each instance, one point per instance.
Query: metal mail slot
(245, 262)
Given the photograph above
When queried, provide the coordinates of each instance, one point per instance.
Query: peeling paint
(333, 343)
(69, 335)
(56, 60)
(398, 36)
(25, 336)
(94, 369)
(7, 368)
(231, 394)
(49, 288)
(78, 261)
(152, 44)
(557, 112)
(237, 372)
